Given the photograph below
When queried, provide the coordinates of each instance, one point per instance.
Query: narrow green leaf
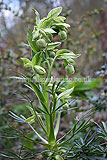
(60, 106)
(54, 12)
(15, 77)
(30, 119)
(49, 30)
(59, 19)
(31, 42)
(53, 45)
(61, 51)
(25, 60)
(105, 126)
(37, 16)
(45, 141)
(62, 24)
(45, 23)
(36, 59)
(44, 34)
(30, 109)
(39, 110)
(38, 93)
(65, 94)
(35, 35)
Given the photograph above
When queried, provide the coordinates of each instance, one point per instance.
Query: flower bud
(52, 54)
(41, 43)
(62, 35)
(70, 69)
(28, 65)
(39, 69)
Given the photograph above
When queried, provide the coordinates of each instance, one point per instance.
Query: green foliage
(53, 97)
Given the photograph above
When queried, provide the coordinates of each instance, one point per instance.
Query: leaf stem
(45, 141)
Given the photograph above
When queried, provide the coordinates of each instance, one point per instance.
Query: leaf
(105, 126)
(59, 19)
(62, 24)
(37, 16)
(60, 106)
(54, 12)
(52, 45)
(38, 93)
(31, 110)
(36, 59)
(46, 23)
(15, 77)
(35, 35)
(39, 110)
(59, 52)
(44, 34)
(45, 141)
(30, 119)
(32, 43)
(49, 30)
(68, 56)
(25, 60)
(65, 94)
(13, 115)
(6, 155)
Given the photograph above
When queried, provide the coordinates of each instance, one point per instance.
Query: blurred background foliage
(87, 36)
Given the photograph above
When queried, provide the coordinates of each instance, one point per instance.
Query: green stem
(45, 93)
(57, 124)
(50, 70)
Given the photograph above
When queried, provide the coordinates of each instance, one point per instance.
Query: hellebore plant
(51, 95)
